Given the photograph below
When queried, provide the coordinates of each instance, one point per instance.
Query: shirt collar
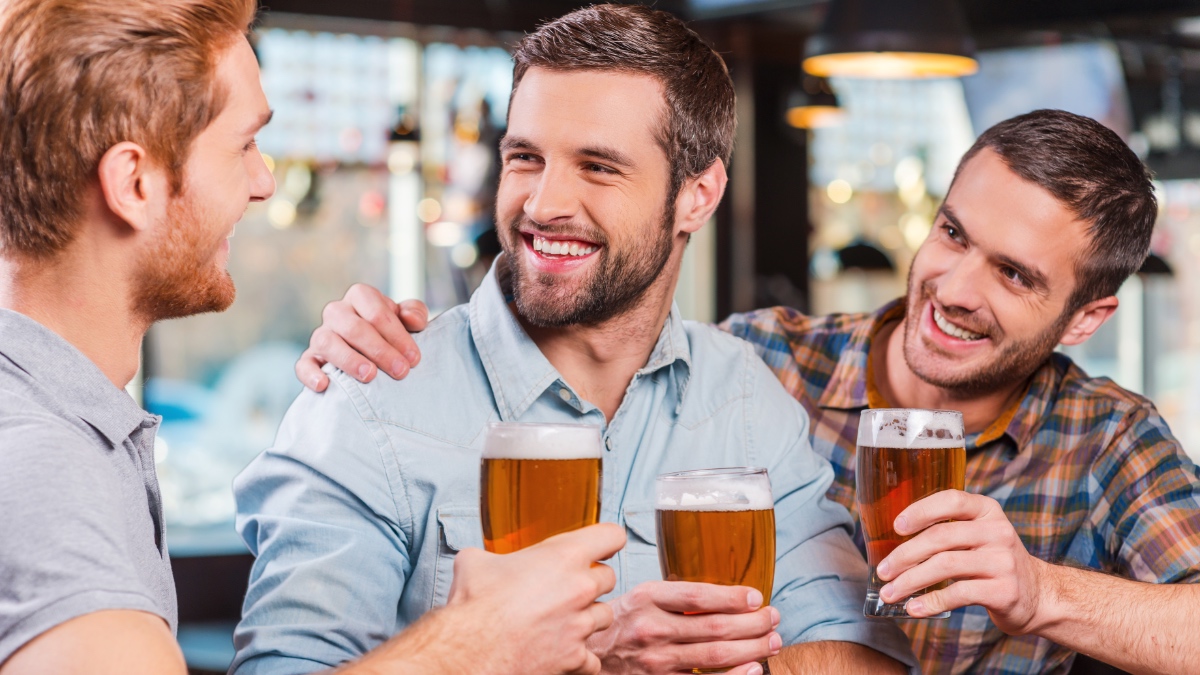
(518, 371)
(69, 376)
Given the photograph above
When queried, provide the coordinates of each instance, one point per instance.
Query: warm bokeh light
(890, 65)
(814, 116)
(429, 210)
(839, 191)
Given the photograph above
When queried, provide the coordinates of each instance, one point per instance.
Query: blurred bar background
(387, 115)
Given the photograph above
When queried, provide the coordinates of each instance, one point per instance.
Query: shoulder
(782, 336)
(449, 383)
(45, 453)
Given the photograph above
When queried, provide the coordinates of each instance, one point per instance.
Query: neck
(77, 296)
(902, 388)
(600, 361)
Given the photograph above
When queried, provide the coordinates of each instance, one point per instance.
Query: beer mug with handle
(717, 526)
(536, 481)
(904, 455)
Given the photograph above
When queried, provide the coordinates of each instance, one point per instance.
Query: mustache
(565, 230)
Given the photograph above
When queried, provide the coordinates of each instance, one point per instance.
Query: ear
(1088, 319)
(699, 197)
(135, 188)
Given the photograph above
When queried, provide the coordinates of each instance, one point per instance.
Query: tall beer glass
(717, 526)
(904, 455)
(536, 481)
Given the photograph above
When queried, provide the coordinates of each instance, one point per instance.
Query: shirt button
(565, 394)
(608, 444)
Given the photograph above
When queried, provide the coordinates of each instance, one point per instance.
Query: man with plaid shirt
(1080, 527)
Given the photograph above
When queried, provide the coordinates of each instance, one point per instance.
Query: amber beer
(717, 526)
(904, 455)
(536, 481)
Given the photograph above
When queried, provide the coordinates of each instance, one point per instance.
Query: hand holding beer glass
(717, 526)
(536, 481)
(904, 455)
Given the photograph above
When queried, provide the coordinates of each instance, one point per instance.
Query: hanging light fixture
(814, 105)
(891, 39)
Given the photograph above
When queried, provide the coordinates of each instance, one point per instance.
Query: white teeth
(573, 248)
(952, 330)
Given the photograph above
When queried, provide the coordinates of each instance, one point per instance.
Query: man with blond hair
(128, 131)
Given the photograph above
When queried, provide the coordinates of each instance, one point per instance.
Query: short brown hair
(700, 117)
(1089, 169)
(79, 76)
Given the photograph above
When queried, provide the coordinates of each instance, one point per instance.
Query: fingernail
(754, 599)
(901, 525)
(914, 606)
(399, 368)
(364, 371)
(775, 644)
(885, 592)
(883, 569)
(315, 381)
(413, 357)
(774, 617)
(755, 670)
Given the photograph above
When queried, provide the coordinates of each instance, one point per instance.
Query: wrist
(1051, 595)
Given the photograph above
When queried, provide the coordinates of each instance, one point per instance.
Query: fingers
(746, 669)
(941, 506)
(954, 536)
(601, 614)
(366, 337)
(727, 654)
(723, 627)
(958, 594)
(588, 544)
(686, 596)
(941, 567)
(591, 665)
(415, 315)
(604, 577)
(308, 371)
(330, 347)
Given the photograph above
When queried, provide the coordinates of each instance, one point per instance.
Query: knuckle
(717, 653)
(322, 340)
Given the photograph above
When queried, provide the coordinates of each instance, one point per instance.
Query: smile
(952, 330)
(549, 247)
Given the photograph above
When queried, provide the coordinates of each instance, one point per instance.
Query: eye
(952, 232)
(251, 145)
(599, 168)
(521, 157)
(1014, 276)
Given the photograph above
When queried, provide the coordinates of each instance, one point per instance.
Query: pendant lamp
(891, 39)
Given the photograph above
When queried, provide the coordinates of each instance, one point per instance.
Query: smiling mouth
(954, 331)
(562, 248)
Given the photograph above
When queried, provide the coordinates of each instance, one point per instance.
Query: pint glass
(536, 481)
(904, 455)
(717, 526)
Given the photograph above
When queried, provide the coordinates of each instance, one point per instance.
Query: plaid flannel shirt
(1087, 472)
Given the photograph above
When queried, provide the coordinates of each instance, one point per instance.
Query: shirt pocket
(458, 528)
(641, 550)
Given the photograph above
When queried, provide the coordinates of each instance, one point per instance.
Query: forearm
(834, 658)
(435, 644)
(1135, 626)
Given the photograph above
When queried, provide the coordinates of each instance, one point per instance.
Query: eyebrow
(604, 154)
(1036, 277)
(263, 121)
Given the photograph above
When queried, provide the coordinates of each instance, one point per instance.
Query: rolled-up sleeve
(329, 536)
(820, 577)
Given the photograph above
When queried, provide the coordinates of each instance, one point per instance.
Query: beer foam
(542, 441)
(920, 430)
(715, 494)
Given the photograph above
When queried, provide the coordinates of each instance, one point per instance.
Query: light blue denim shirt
(356, 513)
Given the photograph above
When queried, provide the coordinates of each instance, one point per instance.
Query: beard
(1014, 361)
(617, 280)
(177, 276)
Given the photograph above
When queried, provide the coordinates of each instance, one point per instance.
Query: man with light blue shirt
(620, 128)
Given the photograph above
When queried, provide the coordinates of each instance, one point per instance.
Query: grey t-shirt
(81, 526)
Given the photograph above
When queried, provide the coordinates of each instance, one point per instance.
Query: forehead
(237, 71)
(1004, 214)
(588, 107)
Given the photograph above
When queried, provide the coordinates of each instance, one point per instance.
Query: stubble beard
(1014, 361)
(178, 276)
(617, 282)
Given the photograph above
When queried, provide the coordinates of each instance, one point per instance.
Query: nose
(960, 286)
(262, 181)
(553, 197)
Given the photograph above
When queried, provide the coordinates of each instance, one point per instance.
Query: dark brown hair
(79, 76)
(700, 118)
(1089, 169)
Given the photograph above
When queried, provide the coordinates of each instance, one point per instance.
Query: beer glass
(536, 481)
(717, 526)
(904, 455)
